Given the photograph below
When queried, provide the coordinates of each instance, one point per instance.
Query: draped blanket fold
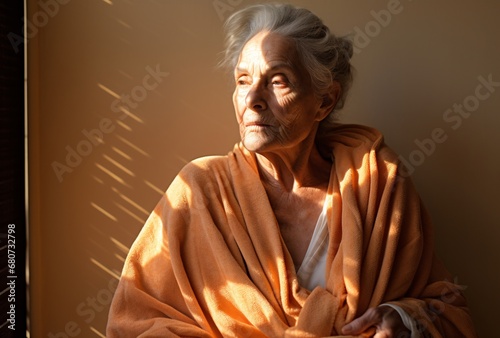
(210, 260)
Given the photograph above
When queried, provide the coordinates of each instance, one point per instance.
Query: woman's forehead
(269, 50)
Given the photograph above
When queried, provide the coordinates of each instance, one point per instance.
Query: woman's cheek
(238, 103)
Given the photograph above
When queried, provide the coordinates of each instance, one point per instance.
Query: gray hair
(325, 56)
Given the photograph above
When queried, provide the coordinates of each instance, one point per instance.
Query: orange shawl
(210, 261)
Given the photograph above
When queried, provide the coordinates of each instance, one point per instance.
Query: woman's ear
(329, 100)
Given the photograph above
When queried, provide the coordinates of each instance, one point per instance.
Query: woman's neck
(291, 169)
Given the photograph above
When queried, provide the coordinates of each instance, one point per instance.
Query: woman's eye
(279, 82)
(242, 81)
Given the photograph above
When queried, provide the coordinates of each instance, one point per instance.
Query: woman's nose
(255, 98)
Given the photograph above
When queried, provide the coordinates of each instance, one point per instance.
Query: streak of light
(105, 269)
(154, 187)
(120, 245)
(120, 258)
(93, 329)
(123, 125)
(109, 91)
(98, 179)
(119, 165)
(128, 113)
(121, 153)
(144, 211)
(123, 23)
(104, 212)
(126, 75)
(113, 175)
(130, 213)
(183, 160)
(133, 146)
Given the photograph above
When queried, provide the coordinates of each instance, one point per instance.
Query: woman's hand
(386, 321)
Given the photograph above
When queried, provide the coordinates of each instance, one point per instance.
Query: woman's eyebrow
(269, 67)
(279, 65)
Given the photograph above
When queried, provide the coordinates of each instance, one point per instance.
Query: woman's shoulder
(205, 165)
(353, 134)
(348, 136)
(221, 163)
(198, 173)
(355, 139)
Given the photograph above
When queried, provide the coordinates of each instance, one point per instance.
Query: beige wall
(412, 67)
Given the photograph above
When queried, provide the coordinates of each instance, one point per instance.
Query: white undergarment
(311, 272)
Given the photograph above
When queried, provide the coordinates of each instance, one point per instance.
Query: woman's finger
(372, 317)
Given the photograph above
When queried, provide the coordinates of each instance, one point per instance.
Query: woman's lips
(256, 124)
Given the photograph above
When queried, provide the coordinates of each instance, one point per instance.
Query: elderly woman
(305, 229)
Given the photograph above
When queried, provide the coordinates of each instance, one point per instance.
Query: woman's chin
(250, 146)
(255, 145)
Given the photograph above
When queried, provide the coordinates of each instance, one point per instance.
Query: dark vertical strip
(13, 239)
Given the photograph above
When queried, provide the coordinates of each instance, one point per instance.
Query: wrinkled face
(275, 104)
